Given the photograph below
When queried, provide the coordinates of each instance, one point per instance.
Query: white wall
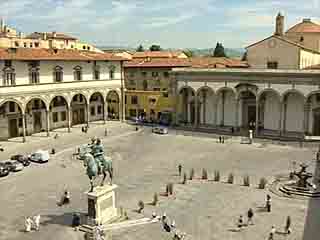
(295, 113)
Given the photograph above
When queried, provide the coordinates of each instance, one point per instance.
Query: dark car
(14, 165)
(4, 170)
(21, 158)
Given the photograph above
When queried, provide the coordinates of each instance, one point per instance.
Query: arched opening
(36, 118)
(58, 110)
(78, 107)
(206, 106)
(269, 111)
(10, 120)
(248, 110)
(186, 108)
(293, 112)
(313, 115)
(113, 101)
(96, 107)
(226, 108)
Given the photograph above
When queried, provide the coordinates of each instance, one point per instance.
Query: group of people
(32, 223)
(250, 214)
(177, 235)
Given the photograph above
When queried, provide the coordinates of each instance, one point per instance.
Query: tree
(140, 48)
(189, 53)
(155, 48)
(244, 57)
(219, 51)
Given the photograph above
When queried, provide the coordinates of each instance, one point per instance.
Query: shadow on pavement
(312, 222)
(64, 219)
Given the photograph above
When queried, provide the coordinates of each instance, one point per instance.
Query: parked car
(14, 165)
(160, 130)
(4, 170)
(40, 156)
(21, 158)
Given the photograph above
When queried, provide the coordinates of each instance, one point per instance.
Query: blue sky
(170, 23)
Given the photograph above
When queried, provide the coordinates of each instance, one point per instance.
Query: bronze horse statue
(96, 163)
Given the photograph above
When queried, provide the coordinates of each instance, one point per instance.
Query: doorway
(13, 128)
(316, 122)
(37, 122)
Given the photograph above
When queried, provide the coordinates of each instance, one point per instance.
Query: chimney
(279, 25)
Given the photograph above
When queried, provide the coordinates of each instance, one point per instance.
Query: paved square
(144, 163)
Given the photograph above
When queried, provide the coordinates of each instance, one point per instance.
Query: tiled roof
(214, 62)
(39, 35)
(157, 54)
(306, 26)
(158, 62)
(55, 54)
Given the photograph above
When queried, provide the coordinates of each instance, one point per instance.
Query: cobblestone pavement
(144, 163)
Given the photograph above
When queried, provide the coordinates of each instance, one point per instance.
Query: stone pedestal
(102, 205)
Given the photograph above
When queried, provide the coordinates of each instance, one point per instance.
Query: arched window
(96, 72)
(58, 74)
(34, 75)
(111, 71)
(77, 73)
(9, 76)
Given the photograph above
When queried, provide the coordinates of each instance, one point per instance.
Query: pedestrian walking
(272, 233)
(65, 199)
(106, 132)
(268, 203)
(240, 223)
(28, 224)
(288, 225)
(250, 216)
(36, 221)
(179, 169)
(220, 139)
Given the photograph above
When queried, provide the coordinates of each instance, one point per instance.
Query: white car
(160, 130)
(40, 156)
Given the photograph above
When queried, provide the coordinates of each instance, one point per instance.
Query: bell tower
(279, 25)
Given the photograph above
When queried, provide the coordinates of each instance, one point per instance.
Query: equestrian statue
(96, 162)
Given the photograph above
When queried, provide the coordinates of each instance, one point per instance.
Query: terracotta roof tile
(157, 54)
(306, 26)
(37, 35)
(213, 62)
(52, 54)
(158, 62)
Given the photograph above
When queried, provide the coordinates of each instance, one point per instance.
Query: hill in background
(198, 52)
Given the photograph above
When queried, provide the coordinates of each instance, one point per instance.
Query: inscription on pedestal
(107, 203)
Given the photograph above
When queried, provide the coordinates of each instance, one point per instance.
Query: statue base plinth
(102, 205)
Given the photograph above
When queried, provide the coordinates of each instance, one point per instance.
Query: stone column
(280, 117)
(69, 119)
(88, 114)
(204, 107)
(196, 115)
(237, 113)
(23, 128)
(257, 116)
(105, 112)
(306, 118)
(222, 109)
(284, 117)
(215, 106)
(48, 122)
